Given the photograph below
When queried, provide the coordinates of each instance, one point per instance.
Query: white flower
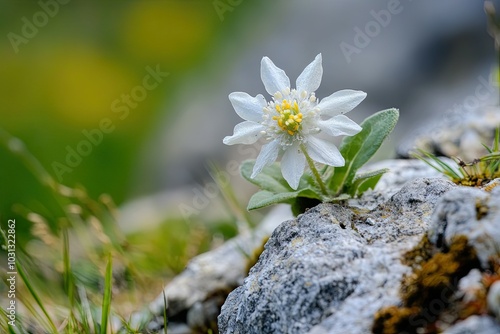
(293, 119)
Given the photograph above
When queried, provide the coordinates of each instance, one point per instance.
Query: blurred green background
(61, 78)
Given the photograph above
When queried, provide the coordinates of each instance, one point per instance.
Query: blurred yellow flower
(82, 84)
(169, 32)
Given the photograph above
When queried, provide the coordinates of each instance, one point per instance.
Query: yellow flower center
(289, 117)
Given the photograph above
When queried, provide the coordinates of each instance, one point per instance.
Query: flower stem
(315, 172)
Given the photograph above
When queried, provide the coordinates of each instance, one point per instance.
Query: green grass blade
(18, 148)
(68, 275)
(35, 296)
(106, 300)
(447, 168)
(269, 179)
(421, 158)
(6, 327)
(487, 148)
(229, 196)
(126, 325)
(441, 167)
(88, 320)
(165, 316)
(30, 287)
(489, 157)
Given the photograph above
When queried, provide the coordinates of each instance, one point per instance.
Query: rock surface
(399, 173)
(331, 269)
(471, 212)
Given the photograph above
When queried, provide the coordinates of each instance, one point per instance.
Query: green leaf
(365, 181)
(269, 179)
(366, 175)
(358, 149)
(265, 198)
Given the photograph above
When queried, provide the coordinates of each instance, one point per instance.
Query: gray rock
(475, 325)
(472, 212)
(331, 269)
(399, 173)
(457, 134)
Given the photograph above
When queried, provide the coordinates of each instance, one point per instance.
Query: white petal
(245, 133)
(341, 102)
(324, 152)
(292, 166)
(268, 154)
(339, 125)
(274, 78)
(248, 107)
(310, 79)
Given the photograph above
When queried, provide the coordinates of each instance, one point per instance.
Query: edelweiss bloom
(293, 119)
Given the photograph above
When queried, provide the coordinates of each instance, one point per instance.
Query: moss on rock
(426, 292)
